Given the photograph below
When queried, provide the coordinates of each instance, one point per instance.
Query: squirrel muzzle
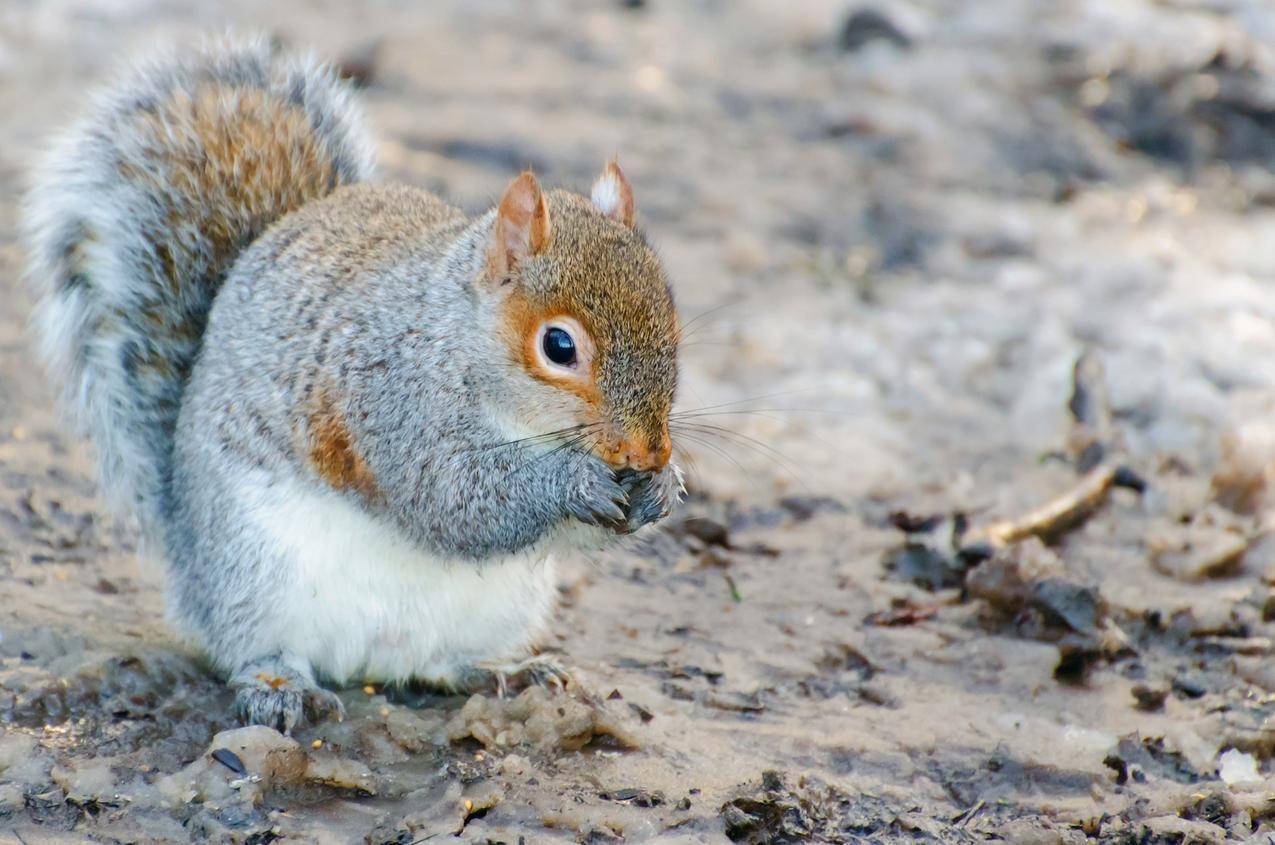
(636, 451)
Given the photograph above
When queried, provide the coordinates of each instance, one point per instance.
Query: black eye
(559, 347)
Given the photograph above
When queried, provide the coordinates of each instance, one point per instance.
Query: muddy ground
(894, 235)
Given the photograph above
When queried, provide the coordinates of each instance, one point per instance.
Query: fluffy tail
(141, 209)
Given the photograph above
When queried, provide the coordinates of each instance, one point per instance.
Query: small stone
(706, 531)
(1197, 551)
(867, 25)
(1150, 699)
(1190, 685)
(12, 799)
(1236, 767)
(230, 760)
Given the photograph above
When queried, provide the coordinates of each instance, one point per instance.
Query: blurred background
(893, 229)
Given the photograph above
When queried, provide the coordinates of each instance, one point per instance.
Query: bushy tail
(135, 218)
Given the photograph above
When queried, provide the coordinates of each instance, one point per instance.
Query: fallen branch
(1091, 443)
(1055, 517)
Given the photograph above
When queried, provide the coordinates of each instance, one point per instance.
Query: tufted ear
(522, 226)
(612, 195)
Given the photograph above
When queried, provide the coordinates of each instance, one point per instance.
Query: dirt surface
(893, 234)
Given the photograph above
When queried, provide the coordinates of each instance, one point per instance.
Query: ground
(893, 235)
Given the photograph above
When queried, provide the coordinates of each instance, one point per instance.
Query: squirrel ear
(612, 195)
(522, 225)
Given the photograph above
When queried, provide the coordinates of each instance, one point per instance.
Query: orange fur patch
(636, 452)
(272, 681)
(523, 319)
(246, 156)
(333, 454)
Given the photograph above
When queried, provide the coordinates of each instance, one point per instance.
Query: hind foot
(273, 692)
(540, 670)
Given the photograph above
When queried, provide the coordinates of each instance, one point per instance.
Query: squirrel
(358, 424)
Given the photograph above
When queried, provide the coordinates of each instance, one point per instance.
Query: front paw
(653, 496)
(597, 497)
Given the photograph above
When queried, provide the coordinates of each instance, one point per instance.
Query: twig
(1056, 516)
(1097, 454)
(967, 816)
(1093, 436)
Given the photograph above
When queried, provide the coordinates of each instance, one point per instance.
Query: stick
(1056, 516)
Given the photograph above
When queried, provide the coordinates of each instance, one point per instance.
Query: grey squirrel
(358, 423)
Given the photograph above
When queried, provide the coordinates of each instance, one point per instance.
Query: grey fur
(104, 215)
(360, 309)
(363, 294)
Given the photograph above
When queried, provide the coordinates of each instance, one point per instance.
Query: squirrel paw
(269, 692)
(652, 496)
(540, 671)
(597, 498)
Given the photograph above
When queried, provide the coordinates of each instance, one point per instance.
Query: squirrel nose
(638, 453)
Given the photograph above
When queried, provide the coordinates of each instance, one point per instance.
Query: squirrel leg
(273, 691)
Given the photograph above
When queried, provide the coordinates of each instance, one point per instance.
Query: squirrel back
(141, 209)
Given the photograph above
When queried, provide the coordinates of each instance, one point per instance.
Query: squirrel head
(585, 312)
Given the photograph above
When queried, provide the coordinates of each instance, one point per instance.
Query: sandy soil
(894, 241)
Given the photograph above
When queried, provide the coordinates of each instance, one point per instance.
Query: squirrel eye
(559, 347)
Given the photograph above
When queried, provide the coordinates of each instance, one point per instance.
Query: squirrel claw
(271, 693)
(653, 497)
(540, 670)
(601, 499)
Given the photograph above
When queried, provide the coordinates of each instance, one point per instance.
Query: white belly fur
(367, 605)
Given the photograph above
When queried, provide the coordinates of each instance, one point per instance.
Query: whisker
(743, 401)
(571, 443)
(686, 327)
(768, 413)
(571, 433)
(744, 439)
(692, 465)
(548, 435)
(720, 452)
(758, 446)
